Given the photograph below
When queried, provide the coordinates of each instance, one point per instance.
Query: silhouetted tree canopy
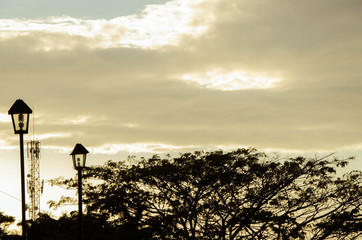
(5, 221)
(66, 227)
(241, 194)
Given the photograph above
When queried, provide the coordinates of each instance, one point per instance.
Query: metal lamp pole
(80, 208)
(22, 169)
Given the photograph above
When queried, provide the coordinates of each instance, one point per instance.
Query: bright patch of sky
(51, 135)
(5, 117)
(80, 120)
(231, 80)
(5, 146)
(155, 26)
(106, 9)
(136, 148)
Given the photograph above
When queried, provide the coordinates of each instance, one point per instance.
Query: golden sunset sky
(155, 76)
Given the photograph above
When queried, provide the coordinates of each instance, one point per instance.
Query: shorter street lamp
(79, 155)
(20, 113)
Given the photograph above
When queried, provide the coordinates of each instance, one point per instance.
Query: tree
(45, 227)
(235, 195)
(5, 221)
(66, 228)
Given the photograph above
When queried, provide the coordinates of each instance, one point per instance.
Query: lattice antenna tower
(35, 184)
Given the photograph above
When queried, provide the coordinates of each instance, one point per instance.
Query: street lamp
(20, 113)
(79, 155)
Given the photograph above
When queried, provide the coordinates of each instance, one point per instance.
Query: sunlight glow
(137, 148)
(130, 125)
(154, 27)
(52, 135)
(4, 145)
(58, 149)
(5, 118)
(80, 120)
(229, 81)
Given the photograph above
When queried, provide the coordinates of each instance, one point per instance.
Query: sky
(143, 77)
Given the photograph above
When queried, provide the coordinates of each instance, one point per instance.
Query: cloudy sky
(146, 76)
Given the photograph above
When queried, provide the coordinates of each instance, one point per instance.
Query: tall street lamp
(79, 155)
(20, 113)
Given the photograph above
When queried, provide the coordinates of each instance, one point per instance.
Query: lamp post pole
(22, 169)
(80, 209)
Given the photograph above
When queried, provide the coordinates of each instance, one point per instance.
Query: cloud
(5, 118)
(153, 27)
(51, 135)
(230, 81)
(133, 95)
(137, 148)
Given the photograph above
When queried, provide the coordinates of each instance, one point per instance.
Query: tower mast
(35, 184)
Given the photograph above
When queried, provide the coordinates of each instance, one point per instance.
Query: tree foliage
(241, 194)
(5, 221)
(66, 227)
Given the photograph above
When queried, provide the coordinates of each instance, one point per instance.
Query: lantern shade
(79, 154)
(20, 113)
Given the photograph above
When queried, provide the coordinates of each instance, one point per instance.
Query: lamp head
(79, 155)
(20, 113)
